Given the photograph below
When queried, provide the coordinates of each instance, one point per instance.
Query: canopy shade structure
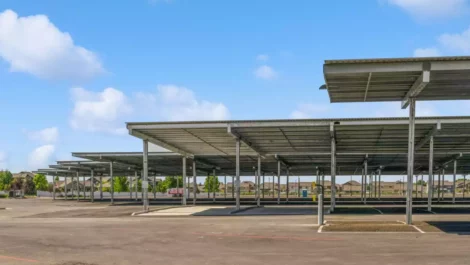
(397, 79)
(304, 145)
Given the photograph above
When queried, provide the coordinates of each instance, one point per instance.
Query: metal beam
(454, 157)
(160, 143)
(367, 86)
(282, 160)
(418, 86)
(236, 135)
(435, 130)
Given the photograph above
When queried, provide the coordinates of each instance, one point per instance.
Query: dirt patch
(368, 226)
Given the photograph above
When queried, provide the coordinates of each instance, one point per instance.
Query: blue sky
(72, 72)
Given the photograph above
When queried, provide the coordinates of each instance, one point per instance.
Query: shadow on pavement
(450, 227)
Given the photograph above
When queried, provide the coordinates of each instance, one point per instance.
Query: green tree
(17, 184)
(29, 187)
(5, 179)
(121, 184)
(169, 183)
(40, 182)
(211, 184)
(421, 182)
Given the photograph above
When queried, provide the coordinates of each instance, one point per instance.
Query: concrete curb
(158, 209)
(245, 209)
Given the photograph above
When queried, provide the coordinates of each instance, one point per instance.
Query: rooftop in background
(397, 79)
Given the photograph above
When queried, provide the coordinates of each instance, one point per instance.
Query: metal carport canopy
(305, 144)
(395, 79)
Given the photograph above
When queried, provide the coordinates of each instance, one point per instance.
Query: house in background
(23, 174)
(351, 187)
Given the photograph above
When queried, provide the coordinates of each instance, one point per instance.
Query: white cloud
(456, 42)
(99, 111)
(3, 160)
(308, 111)
(265, 72)
(426, 52)
(41, 157)
(34, 45)
(361, 110)
(176, 103)
(46, 136)
(426, 9)
(262, 57)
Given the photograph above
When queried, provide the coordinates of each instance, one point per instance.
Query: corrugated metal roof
(399, 60)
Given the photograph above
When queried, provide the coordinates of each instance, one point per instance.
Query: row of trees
(27, 184)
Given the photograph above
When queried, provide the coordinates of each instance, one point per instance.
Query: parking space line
(417, 229)
(377, 210)
(320, 229)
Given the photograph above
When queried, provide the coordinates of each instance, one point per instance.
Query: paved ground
(46, 232)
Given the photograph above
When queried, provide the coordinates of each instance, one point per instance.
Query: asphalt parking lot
(46, 232)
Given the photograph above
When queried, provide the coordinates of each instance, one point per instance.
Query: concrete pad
(368, 226)
(282, 210)
(188, 211)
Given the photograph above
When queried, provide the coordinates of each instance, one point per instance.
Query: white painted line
(377, 210)
(349, 232)
(419, 230)
(401, 222)
(320, 229)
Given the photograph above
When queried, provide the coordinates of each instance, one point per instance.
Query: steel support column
(411, 146)
(53, 187)
(439, 186)
(145, 176)
(131, 191)
(278, 182)
(225, 187)
(333, 175)
(213, 191)
(287, 185)
(65, 187)
(233, 187)
(184, 181)
(154, 188)
(362, 185)
(454, 180)
(92, 186)
(84, 188)
(101, 187)
(111, 175)
(237, 173)
(430, 172)
(136, 185)
(380, 183)
(78, 187)
(263, 185)
(72, 186)
(442, 183)
(258, 200)
(366, 170)
(194, 183)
